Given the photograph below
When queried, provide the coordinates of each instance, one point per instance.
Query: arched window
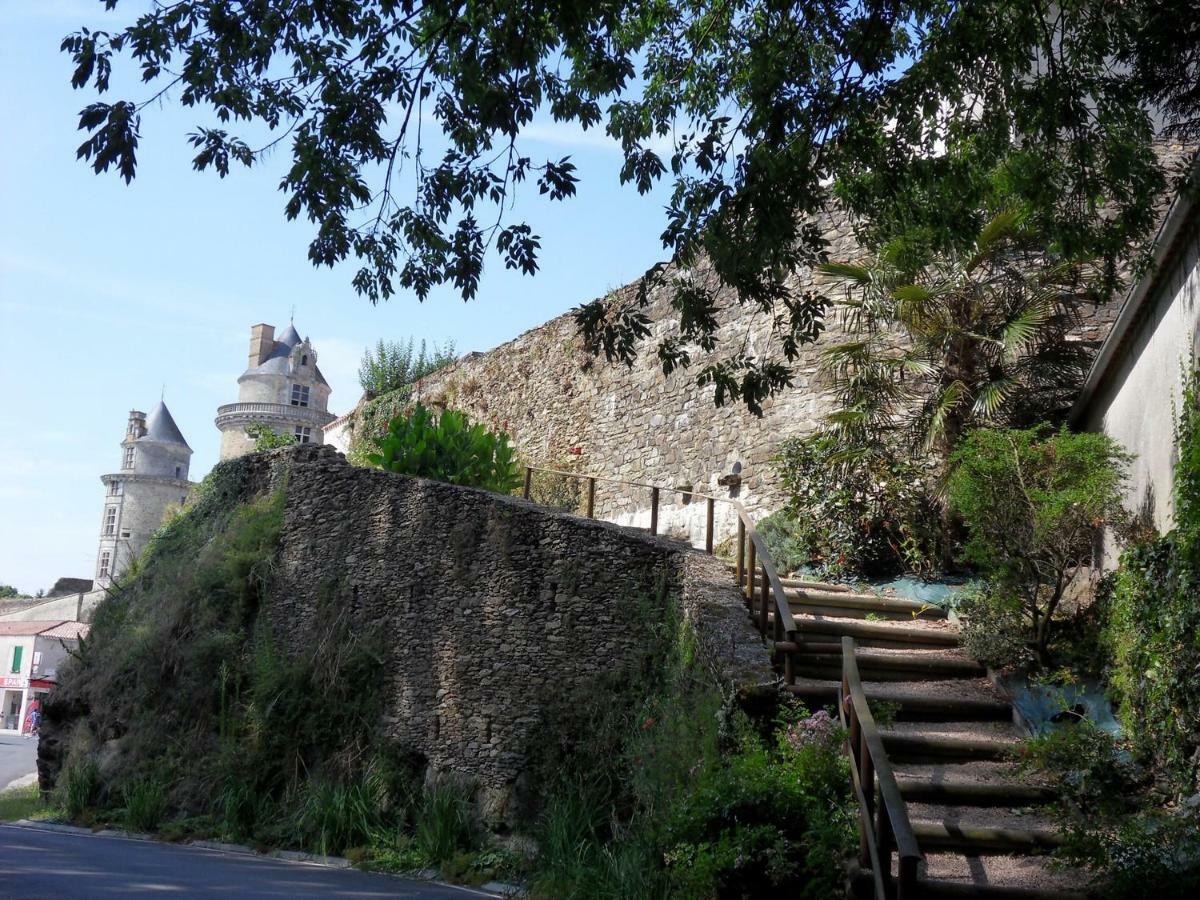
(304, 360)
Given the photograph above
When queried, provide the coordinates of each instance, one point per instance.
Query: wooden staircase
(983, 829)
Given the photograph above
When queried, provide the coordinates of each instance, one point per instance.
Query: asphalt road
(44, 864)
(18, 756)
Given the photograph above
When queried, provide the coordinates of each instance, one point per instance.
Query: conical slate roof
(291, 336)
(161, 428)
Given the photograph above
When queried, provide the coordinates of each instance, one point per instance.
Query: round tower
(153, 477)
(281, 388)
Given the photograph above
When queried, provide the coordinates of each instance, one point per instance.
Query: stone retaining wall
(494, 612)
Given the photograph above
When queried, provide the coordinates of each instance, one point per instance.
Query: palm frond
(1002, 226)
(846, 272)
(945, 401)
(990, 397)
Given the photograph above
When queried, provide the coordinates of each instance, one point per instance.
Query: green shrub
(447, 448)
(852, 513)
(768, 818)
(267, 438)
(1035, 503)
(994, 631)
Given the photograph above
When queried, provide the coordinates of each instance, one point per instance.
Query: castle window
(299, 395)
(110, 520)
(304, 360)
(178, 469)
(114, 489)
(105, 559)
(127, 461)
(303, 435)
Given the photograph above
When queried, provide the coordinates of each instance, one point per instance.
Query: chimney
(137, 425)
(262, 340)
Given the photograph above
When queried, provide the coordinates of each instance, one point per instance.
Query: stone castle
(282, 388)
(153, 477)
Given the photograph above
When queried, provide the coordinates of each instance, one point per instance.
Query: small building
(153, 477)
(281, 388)
(31, 654)
(1134, 388)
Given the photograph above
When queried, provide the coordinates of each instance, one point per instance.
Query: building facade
(30, 656)
(1135, 387)
(153, 476)
(282, 388)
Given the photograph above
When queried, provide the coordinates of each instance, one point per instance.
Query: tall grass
(145, 804)
(81, 788)
(443, 821)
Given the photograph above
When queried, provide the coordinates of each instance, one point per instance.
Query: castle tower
(153, 476)
(281, 388)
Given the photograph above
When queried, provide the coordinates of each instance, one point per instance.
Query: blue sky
(108, 293)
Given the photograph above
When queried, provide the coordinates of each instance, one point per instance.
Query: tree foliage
(1035, 503)
(396, 364)
(916, 113)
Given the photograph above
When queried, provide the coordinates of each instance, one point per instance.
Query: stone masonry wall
(495, 613)
(562, 406)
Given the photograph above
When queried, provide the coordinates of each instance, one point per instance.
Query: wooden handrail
(785, 623)
(883, 825)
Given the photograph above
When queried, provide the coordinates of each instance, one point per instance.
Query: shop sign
(14, 681)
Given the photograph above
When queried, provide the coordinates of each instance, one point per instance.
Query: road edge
(491, 889)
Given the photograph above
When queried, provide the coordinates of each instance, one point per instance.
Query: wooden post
(764, 603)
(750, 577)
(866, 778)
(741, 553)
(528, 480)
(908, 878)
(708, 526)
(789, 663)
(883, 834)
(654, 510)
(591, 501)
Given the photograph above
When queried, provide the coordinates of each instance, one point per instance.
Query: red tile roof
(54, 629)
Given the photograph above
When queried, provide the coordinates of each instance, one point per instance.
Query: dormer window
(127, 459)
(299, 395)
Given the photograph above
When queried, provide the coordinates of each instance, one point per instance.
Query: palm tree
(971, 338)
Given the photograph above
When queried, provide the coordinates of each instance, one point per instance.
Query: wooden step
(981, 783)
(946, 875)
(990, 830)
(819, 628)
(973, 699)
(879, 664)
(861, 605)
(925, 742)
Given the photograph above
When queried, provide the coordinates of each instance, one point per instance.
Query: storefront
(30, 654)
